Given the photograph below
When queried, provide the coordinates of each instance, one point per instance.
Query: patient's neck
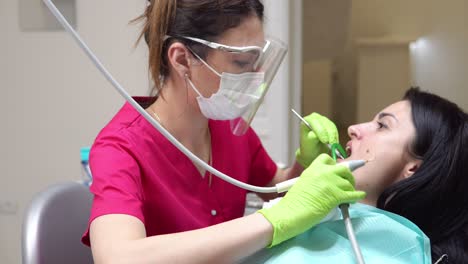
(369, 201)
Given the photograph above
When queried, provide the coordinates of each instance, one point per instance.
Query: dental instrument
(310, 127)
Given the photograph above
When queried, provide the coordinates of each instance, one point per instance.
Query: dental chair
(53, 225)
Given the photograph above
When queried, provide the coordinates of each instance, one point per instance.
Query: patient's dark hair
(436, 197)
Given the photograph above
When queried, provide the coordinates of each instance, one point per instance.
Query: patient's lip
(349, 148)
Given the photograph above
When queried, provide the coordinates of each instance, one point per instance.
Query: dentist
(209, 61)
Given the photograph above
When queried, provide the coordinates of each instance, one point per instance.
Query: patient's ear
(411, 167)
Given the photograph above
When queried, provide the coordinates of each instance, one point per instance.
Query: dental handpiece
(350, 164)
(310, 127)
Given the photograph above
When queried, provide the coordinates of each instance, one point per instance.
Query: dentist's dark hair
(205, 19)
(435, 197)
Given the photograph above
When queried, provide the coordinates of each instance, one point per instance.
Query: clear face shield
(244, 86)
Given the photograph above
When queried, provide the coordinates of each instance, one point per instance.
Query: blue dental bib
(383, 237)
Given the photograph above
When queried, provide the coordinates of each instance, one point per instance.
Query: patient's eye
(381, 125)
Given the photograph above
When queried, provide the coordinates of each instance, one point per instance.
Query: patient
(420, 147)
(419, 152)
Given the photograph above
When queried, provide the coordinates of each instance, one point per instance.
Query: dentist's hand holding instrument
(318, 134)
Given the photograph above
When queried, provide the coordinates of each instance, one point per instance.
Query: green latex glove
(320, 188)
(314, 142)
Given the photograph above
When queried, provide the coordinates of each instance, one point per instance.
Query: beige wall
(439, 62)
(316, 90)
(325, 32)
(54, 101)
(383, 75)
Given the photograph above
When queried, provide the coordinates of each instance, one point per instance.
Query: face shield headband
(268, 60)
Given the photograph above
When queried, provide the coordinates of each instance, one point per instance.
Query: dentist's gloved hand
(320, 188)
(314, 142)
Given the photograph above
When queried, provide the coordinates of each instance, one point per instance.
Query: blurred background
(347, 59)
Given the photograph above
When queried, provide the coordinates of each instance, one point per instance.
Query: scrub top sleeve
(263, 168)
(117, 185)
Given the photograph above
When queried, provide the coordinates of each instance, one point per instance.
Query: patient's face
(385, 140)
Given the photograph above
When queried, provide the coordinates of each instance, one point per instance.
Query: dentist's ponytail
(159, 16)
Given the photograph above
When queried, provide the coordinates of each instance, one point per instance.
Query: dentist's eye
(242, 64)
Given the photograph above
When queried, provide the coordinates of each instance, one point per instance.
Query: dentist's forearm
(223, 243)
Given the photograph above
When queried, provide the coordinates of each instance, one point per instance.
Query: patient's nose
(354, 132)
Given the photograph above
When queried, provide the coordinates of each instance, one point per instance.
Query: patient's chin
(358, 177)
(362, 185)
(361, 177)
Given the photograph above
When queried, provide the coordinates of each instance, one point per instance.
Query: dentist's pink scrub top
(138, 172)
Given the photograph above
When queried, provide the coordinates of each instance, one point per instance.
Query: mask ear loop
(335, 147)
(187, 79)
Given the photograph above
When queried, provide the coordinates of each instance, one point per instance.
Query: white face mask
(236, 94)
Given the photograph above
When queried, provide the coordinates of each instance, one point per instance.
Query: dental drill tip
(352, 165)
(339, 155)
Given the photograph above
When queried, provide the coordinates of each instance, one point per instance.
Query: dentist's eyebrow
(384, 114)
